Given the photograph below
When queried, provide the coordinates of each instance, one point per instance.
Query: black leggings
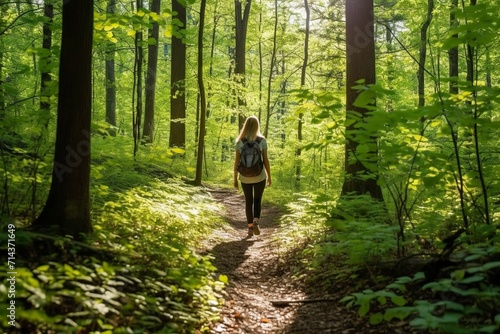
(253, 199)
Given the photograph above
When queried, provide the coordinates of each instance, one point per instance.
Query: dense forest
(118, 122)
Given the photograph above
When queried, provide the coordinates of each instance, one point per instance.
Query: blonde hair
(250, 130)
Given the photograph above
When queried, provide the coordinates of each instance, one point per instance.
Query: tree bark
(261, 64)
(178, 78)
(110, 75)
(149, 109)
(423, 53)
(3, 10)
(360, 65)
(453, 52)
(201, 87)
(68, 204)
(48, 11)
(241, 20)
(139, 57)
(298, 152)
(271, 69)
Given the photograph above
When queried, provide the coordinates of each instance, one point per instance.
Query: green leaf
(43, 268)
(488, 329)
(458, 274)
(364, 99)
(484, 267)
(399, 301)
(419, 323)
(472, 279)
(400, 313)
(376, 318)
(454, 306)
(451, 318)
(400, 287)
(473, 257)
(364, 308)
(224, 279)
(347, 299)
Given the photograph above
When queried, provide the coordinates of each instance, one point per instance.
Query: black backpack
(251, 163)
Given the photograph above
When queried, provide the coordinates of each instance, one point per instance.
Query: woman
(253, 187)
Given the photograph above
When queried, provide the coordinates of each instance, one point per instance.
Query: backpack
(251, 163)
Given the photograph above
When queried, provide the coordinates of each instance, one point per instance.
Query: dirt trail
(254, 281)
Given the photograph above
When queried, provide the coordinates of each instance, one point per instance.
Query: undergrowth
(347, 246)
(139, 272)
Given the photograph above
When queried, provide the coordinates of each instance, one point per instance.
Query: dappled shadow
(230, 255)
(261, 278)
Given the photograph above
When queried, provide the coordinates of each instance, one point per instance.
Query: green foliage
(141, 271)
(466, 302)
(321, 230)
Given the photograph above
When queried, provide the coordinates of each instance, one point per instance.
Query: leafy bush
(138, 273)
(468, 301)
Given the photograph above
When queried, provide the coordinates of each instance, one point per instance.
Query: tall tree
(423, 52)
(272, 68)
(68, 204)
(138, 77)
(45, 58)
(261, 61)
(453, 52)
(149, 109)
(3, 11)
(203, 102)
(360, 66)
(472, 78)
(178, 78)
(110, 74)
(298, 152)
(241, 15)
(45, 61)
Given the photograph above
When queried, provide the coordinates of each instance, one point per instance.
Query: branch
(404, 48)
(17, 18)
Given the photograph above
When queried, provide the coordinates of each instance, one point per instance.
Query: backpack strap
(257, 139)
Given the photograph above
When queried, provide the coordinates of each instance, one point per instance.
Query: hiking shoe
(256, 229)
(250, 231)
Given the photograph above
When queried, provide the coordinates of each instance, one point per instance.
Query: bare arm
(267, 166)
(236, 162)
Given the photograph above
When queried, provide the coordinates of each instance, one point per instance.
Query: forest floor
(257, 277)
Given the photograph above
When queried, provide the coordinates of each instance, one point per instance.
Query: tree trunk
(178, 78)
(48, 11)
(472, 80)
(271, 69)
(149, 110)
(110, 75)
(201, 87)
(423, 53)
(3, 10)
(360, 65)
(261, 65)
(241, 20)
(212, 51)
(453, 52)
(139, 57)
(298, 152)
(68, 204)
